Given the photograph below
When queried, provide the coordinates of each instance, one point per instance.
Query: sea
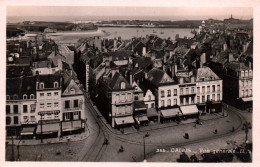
(110, 32)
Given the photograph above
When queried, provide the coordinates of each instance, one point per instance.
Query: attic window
(72, 91)
(122, 85)
(7, 97)
(56, 84)
(203, 79)
(24, 96)
(15, 97)
(32, 96)
(41, 85)
(212, 78)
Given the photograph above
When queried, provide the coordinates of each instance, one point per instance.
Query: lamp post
(146, 135)
(246, 127)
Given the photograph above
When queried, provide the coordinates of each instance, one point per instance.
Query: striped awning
(172, 112)
(48, 128)
(189, 110)
(27, 130)
(124, 120)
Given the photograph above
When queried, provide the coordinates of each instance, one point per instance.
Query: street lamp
(246, 127)
(146, 135)
(41, 114)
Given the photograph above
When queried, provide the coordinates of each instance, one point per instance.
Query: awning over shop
(172, 112)
(139, 105)
(142, 118)
(246, 99)
(48, 128)
(151, 112)
(124, 120)
(71, 125)
(189, 110)
(27, 131)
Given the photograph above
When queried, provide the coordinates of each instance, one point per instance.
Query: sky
(179, 12)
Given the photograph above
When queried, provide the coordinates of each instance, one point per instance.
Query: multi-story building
(48, 105)
(209, 90)
(73, 106)
(166, 92)
(238, 83)
(13, 106)
(115, 95)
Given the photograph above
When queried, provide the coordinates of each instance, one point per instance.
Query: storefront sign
(56, 112)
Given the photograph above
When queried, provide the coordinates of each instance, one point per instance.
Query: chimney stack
(131, 78)
(144, 51)
(174, 70)
(230, 57)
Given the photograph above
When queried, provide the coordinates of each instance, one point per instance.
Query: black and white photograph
(130, 83)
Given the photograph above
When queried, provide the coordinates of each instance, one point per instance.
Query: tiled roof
(119, 55)
(237, 66)
(49, 80)
(205, 73)
(13, 86)
(115, 83)
(220, 58)
(17, 71)
(157, 76)
(28, 85)
(142, 62)
(139, 104)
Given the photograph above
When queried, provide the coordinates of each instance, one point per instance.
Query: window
(48, 94)
(175, 102)
(242, 73)
(198, 89)
(8, 120)
(242, 93)
(203, 99)
(122, 98)
(218, 87)
(203, 89)
(181, 91)
(117, 98)
(243, 83)
(152, 105)
(187, 91)
(15, 109)
(208, 88)
(250, 92)
(192, 100)
(76, 115)
(33, 118)
(146, 105)
(42, 105)
(56, 84)
(250, 72)
(218, 97)
(15, 120)
(7, 108)
(122, 85)
(162, 93)
(162, 103)
(72, 91)
(25, 109)
(24, 96)
(213, 97)
(25, 118)
(246, 93)
(136, 97)
(208, 97)
(15, 97)
(41, 95)
(192, 90)
(56, 93)
(33, 107)
(32, 96)
(49, 105)
(181, 101)
(7, 97)
(76, 103)
(129, 96)
(246, 83)
(175, 92)
(41, 85)
(67, 104)
(169, 93)
(249, 83)
(246, 73)
(187, 100)
(149, 98)
(198, 99)
(168, 102)
(213, 88)
(56, 104)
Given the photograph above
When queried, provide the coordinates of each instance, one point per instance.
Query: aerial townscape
(116, 99)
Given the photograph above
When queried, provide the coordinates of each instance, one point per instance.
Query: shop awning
(172, 112)
(139, 105)
(124, 120)
(142, 118)
(151, 112)
(189, 110)
(71, 125)
(246, 99)
(27, 131)
(48, 128)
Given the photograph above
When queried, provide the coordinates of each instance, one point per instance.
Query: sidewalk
(29, 142)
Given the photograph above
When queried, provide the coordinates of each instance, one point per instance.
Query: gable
(72, 86)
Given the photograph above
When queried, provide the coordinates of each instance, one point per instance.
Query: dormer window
(72, 91)
(250, 72)
(56, 84)
(32, 96)
(122, 85)
(24, 96)
(242, 73)
(15, 97)
(246, 73)
(7, 97)
(41, 85)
